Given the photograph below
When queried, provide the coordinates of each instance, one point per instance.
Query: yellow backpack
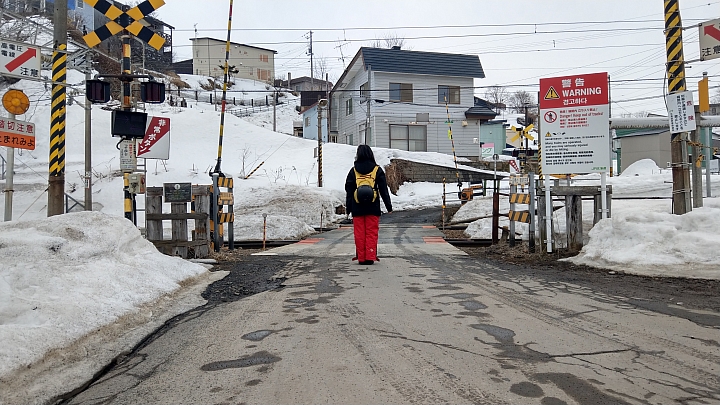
(366, 191)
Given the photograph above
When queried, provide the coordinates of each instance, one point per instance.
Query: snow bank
(63, 277)
(647, 239)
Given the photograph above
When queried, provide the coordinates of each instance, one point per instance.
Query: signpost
(574, 110)
(574, 138)
(710, 40)
(19, 59)
(17, 134)
(14, 134)
(156, 143)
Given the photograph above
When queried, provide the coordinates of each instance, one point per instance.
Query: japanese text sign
(19, 59)
(156, 143)
(710, 40)
(17, 134)
(681, 112)
(574, 122)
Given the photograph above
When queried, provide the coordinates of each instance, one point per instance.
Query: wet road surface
(426, 324)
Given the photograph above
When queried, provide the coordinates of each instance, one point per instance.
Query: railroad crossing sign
(125, 20)
(523, 133)
(710, 40)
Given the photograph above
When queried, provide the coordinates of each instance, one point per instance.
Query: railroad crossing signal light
(129, 20)
(128, 124)
(98, 91)
(152, 92)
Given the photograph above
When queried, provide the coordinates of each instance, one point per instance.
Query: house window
(449, 93)
(348, 106)
(412, 138)
(263, 58)
(401, 92)
(307, 121)
(263, 74)
(364, 92)
(333, 138)
(350, 139)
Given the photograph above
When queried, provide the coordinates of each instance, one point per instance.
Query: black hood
(364, 167)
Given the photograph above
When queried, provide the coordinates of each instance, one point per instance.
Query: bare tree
(388, 41)
(498, 96)
(715, 99)
(520, 99)
(320, 68)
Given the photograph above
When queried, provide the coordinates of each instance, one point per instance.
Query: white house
(310, 123)
(409, 100)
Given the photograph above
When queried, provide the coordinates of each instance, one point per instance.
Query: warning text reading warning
(574, 91)
(17, 134)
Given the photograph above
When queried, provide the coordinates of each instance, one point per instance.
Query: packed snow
(77, 289)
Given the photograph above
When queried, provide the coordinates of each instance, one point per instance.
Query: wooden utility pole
(56, 178)
(676, 83)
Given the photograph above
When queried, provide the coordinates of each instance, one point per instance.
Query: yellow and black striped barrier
(519, 216)
(520, 198)
(219, 217)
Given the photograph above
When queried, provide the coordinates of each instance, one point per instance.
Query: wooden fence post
(153, 205)
(573, 216)
(202, 206)
(179, 230)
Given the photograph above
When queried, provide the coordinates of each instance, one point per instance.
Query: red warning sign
(574, 91)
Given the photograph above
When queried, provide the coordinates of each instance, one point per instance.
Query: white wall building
(251, 62)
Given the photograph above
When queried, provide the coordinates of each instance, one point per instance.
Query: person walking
(364, 187)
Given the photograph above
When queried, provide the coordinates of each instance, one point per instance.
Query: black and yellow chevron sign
(674, 47)
(125, 20)
(520, 198)
(519, 216)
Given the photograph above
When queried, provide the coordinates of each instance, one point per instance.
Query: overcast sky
(518, 41)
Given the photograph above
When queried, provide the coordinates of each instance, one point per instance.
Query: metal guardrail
(76, 203)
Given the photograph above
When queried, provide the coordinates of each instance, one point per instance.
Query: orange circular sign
(15, 102)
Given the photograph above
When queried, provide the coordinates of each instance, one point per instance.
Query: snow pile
(278, 227)
(65, 279)
(643, 167)
(309, 205)
(646, 239)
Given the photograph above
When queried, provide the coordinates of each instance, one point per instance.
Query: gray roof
(423, 63)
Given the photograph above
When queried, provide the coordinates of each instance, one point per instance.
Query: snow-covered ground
(641, 237)
(77, 289)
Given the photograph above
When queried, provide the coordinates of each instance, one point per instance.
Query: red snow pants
(366, 229)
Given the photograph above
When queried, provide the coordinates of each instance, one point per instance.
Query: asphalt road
(426, 324)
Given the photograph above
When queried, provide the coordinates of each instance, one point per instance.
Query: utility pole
(88, 137)
(9, 179)
(312, 70)
(368, 133)
(56, 177)
(676, 83)
(320, 106)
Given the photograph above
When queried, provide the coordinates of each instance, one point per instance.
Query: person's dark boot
(367, 262)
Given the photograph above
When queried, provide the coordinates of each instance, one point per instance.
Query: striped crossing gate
(222, 211)
(517, 198)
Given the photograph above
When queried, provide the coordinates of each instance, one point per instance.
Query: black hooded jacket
(358, 210)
